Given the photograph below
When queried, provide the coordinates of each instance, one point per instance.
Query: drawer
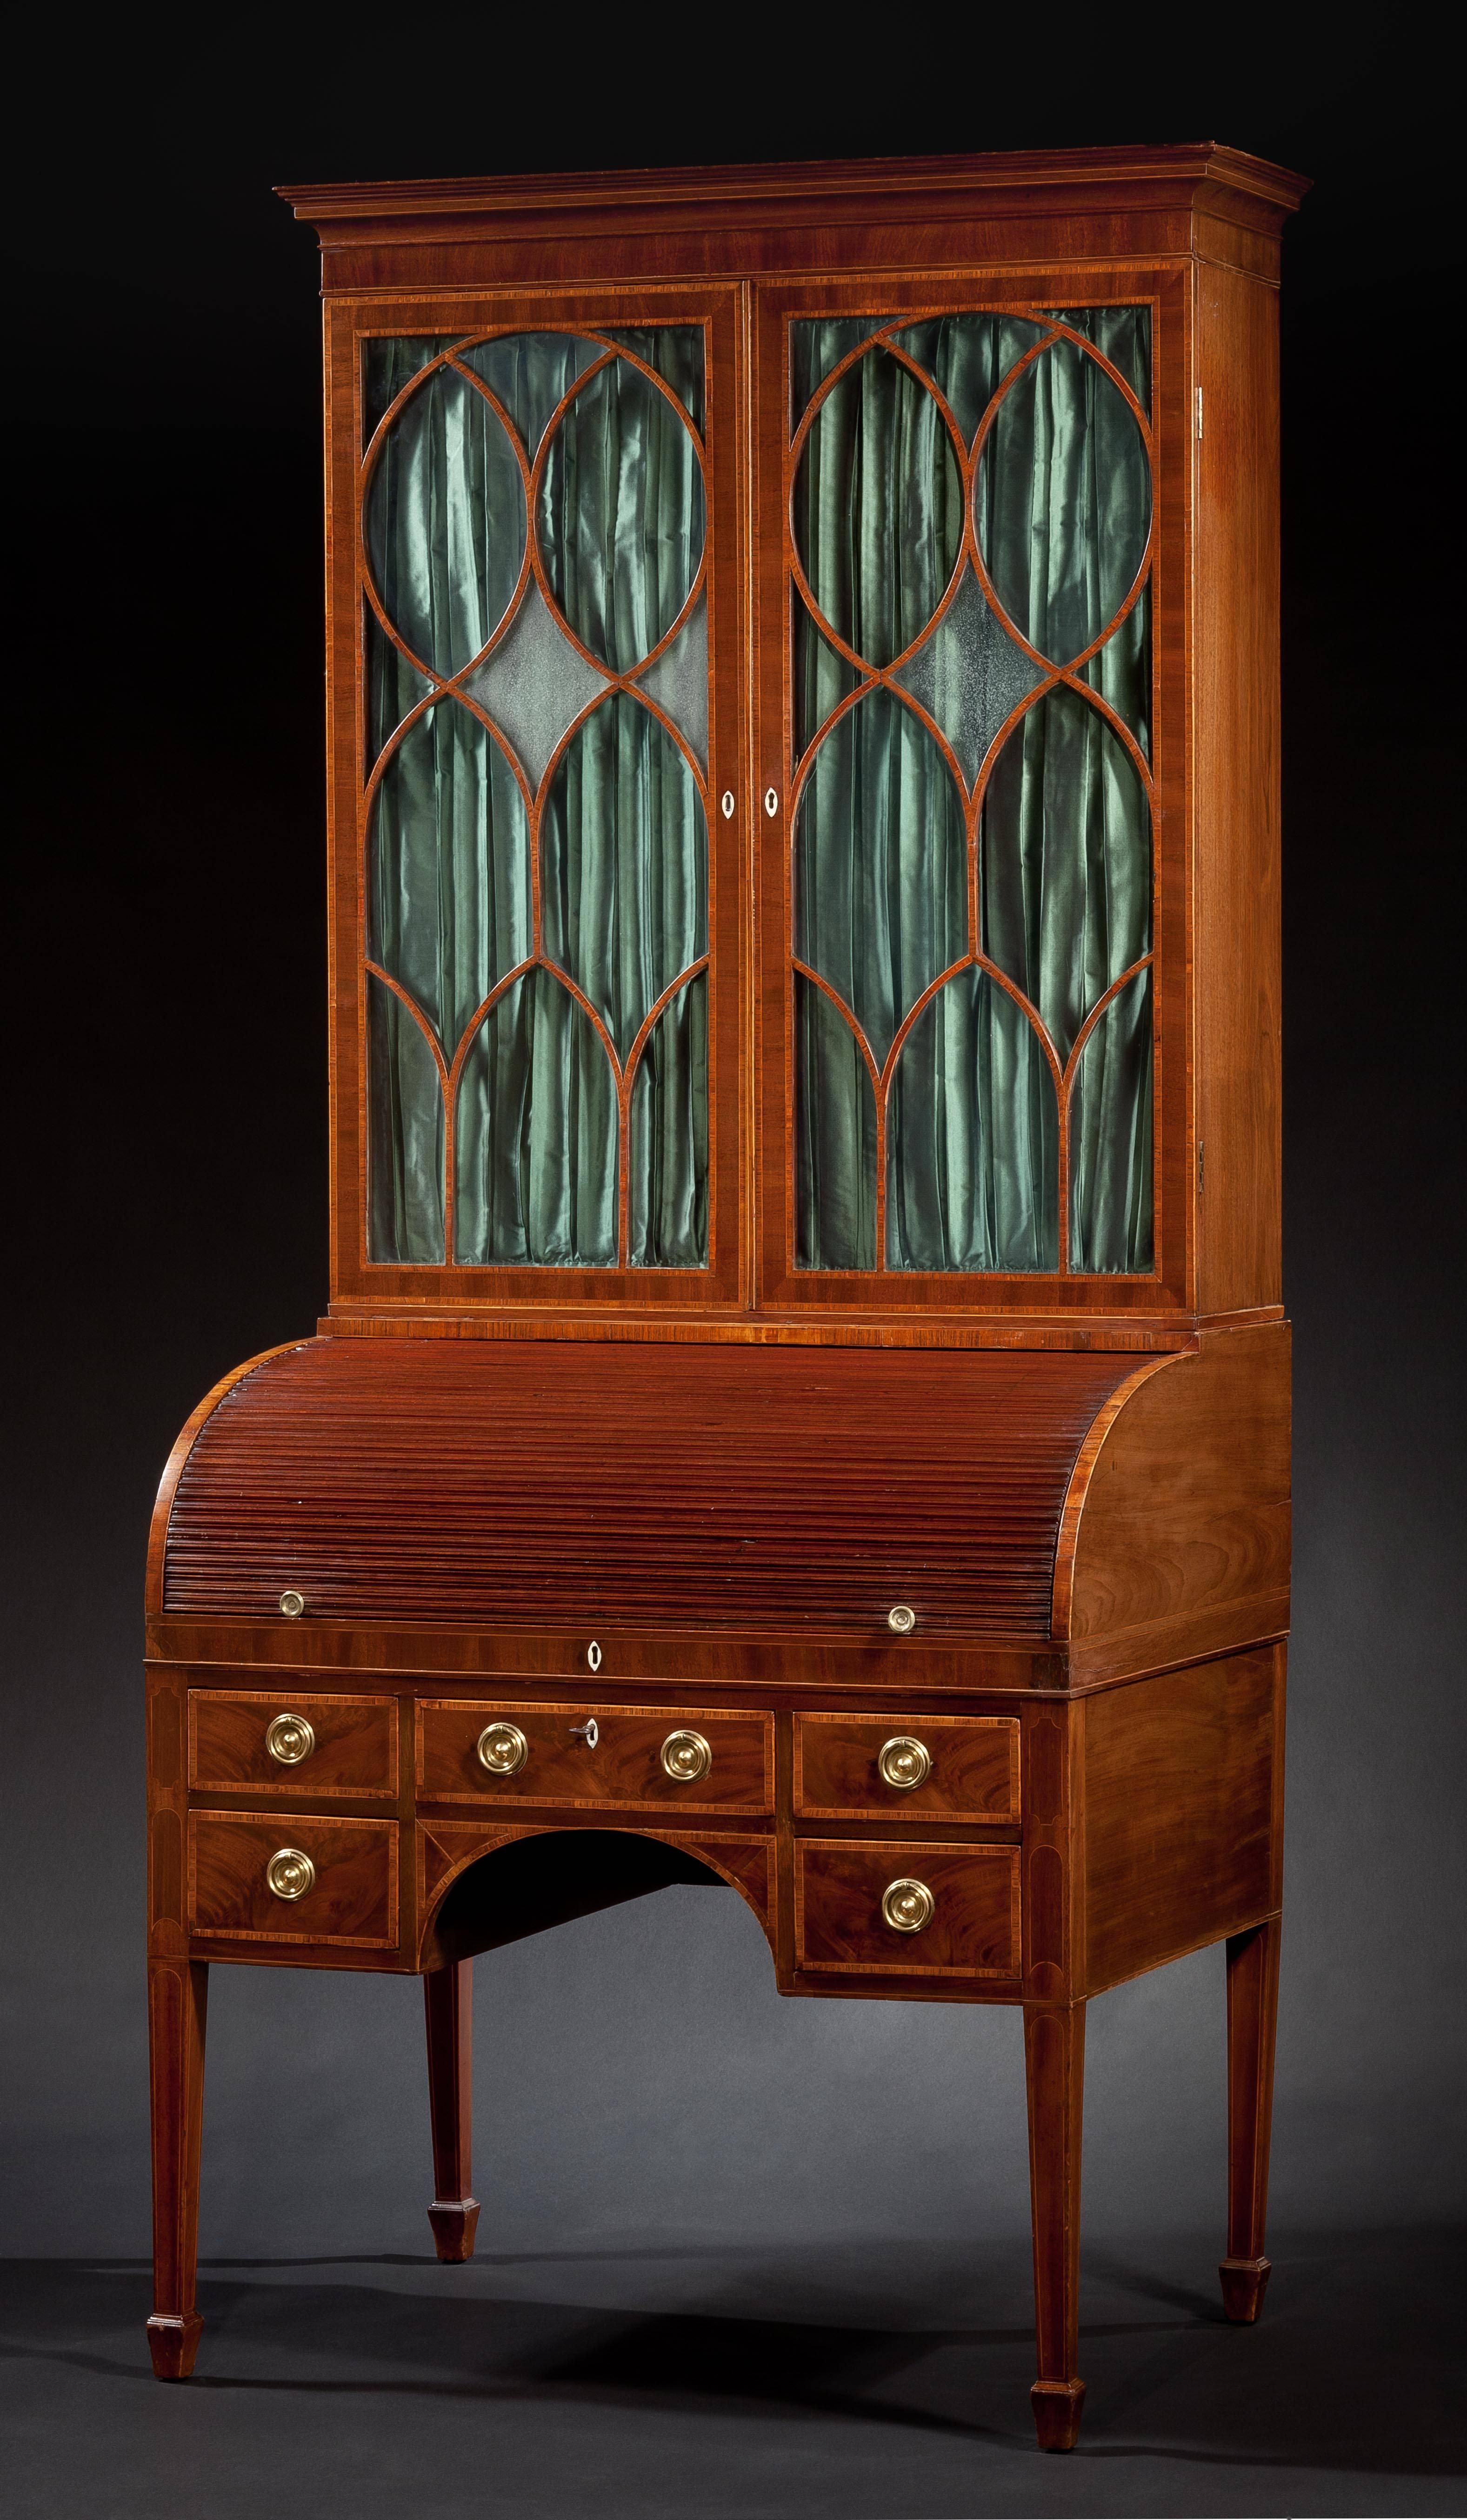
(972, 1927)
(639, 1758)
(290, 1742)
(971, 1769)
(269, 1876)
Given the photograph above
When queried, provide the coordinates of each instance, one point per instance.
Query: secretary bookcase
(804, 1399)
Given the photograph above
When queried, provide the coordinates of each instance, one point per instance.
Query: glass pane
(1063, 501)
(536, 1136)
(388, 363)
(815, 347)
(969, 674)
(972, 1138)
(534, 684)
(1110, 1137)
(878, 508)
(881, 867)
(624, 865)
(621, 520)
(823, 679)
(530, 373)
(1122, 335)
(393, 685)
(404, 1134)
(669, 1187)
(1065, 861)
(449, 907)
(675, 352)
(1122, 670)
(678, 681)
(446, 522)
(968, 357)
(836, 1139)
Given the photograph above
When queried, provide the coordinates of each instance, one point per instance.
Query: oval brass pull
(686, 1756)
(291, 1604)
(901, 1618)
(503, 1749)
(290, 1738)
(903, 1762)
(908, 1905)
(289, 1873)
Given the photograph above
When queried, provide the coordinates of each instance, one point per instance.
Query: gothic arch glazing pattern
(534, 816)
(971, 542)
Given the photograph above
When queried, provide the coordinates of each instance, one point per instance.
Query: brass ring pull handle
(503, 1749)
(908, 1905)
(289, 1739)
(289, 1873)
(901, 1618)
(686, 1756)
(291, 1604)
(903, 1763)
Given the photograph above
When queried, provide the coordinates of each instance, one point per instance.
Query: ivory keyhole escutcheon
(594, 1655)
(772, 802)
(727, 804)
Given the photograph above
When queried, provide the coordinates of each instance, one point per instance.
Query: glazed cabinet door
(536, 709)
(971, 504)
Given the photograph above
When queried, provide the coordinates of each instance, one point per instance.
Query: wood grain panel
(1236, 914)
(355, 1752)
(625, 1769)
(974, 1772)
(1185, 1506)
(579, 1484)
(975, 1927)
(353, 1902)
(1179, 1785)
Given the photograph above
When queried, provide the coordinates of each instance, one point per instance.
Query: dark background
(642, 2093)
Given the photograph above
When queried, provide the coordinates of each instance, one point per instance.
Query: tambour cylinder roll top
(696, 1486)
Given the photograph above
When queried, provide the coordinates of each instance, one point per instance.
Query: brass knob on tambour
(503, 1749)
(903, 1762)
(908, 1905)
(291, 1604)
(290, 1738)
(686, 1756)
(289, 1873)
(901, 1618)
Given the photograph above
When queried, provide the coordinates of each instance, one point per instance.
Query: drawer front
(641, 1757)
(293, 1742)
(248, 1882)
(972, 1930)
(971, 1768)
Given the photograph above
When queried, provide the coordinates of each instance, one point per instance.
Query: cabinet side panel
(1186, 1512)
(1178, 1803)
(1237, 795)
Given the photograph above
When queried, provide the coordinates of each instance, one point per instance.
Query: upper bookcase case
(803, 692)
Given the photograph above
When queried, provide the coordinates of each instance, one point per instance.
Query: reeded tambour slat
(699, 1487)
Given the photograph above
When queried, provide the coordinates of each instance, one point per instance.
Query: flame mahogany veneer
(637, 1534)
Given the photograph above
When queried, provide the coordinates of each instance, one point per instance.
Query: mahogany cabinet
(804, 1401)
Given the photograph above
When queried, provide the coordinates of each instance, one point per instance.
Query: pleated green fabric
(1061, 515)
(622, 841)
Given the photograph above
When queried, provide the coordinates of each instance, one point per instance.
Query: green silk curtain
(622, 838)
(1061, 514)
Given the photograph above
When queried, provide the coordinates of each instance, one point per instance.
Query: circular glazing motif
(445, 521)
(877, 508)
(1062, 501)
(621, 516)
